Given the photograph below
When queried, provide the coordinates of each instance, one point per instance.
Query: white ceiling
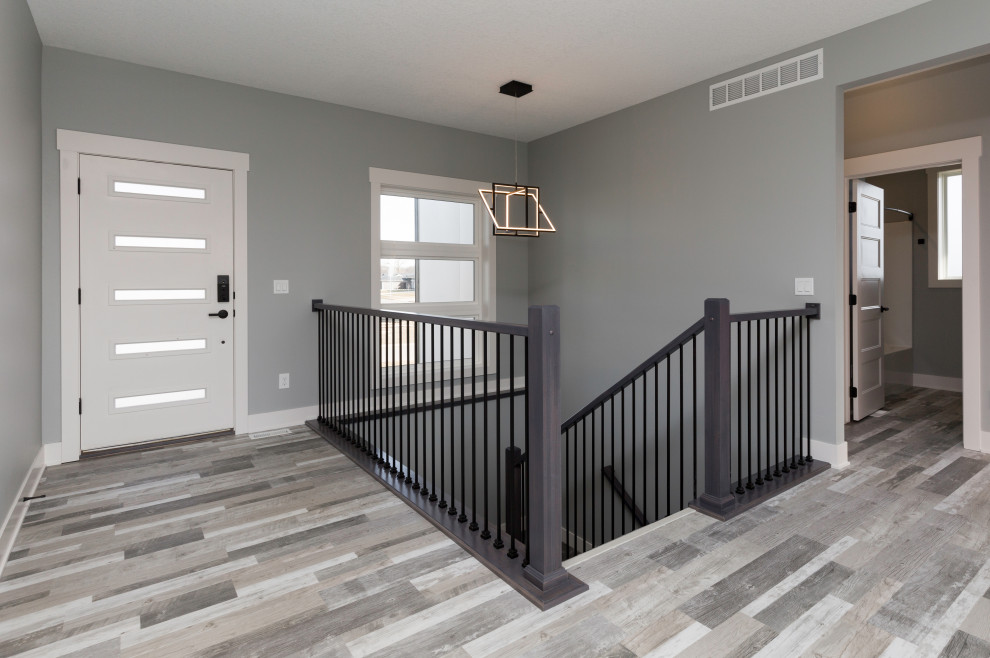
(442, 61)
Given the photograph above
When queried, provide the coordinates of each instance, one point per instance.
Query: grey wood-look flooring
(280, 546)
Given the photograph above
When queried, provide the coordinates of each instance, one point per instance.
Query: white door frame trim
(70, 145)
(967, 151)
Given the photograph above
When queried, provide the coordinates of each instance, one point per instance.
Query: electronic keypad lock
(223, 288)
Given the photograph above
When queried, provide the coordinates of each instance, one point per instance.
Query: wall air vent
(777, 77)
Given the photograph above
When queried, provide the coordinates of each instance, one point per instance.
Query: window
(945, 252)
(431, 252)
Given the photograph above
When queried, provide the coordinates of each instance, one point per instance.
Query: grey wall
(20, 248)
(936, 313)
(308, 197)
(664, 204)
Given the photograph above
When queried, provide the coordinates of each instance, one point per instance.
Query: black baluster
(800, 398)
(512, 552)
(656, 439)
(485, 532)
(452, 510)
(474, 432)
(794, 402)
(611, 435)
(432, 492)
(667, 489)
(525, 478)
(463, 517)
(680, 420)
(694, 407)
(499, 482)
(749, 406)
(807, 390)
(766, 350)
(739, 425)
(442, 482)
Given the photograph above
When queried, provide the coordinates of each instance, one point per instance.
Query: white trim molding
(835, 454)
(53, 453)
(968, 152)
(71, 145)
(274, 420)
(15, 515)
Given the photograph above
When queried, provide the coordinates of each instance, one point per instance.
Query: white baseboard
(836, 455)
(53, 453)
(274, 420)
(15, 515)
(954, 384)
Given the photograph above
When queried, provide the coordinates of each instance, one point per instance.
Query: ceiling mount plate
(515, 89)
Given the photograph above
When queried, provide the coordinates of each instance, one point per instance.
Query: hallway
(279, 545)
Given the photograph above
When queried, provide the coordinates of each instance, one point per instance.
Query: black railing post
(717, 496)
(544, 466)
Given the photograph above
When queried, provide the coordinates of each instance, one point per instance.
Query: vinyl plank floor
(281, 546)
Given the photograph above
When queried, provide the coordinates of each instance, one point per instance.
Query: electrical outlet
(283, 380)
(804, 286)
(281, 287)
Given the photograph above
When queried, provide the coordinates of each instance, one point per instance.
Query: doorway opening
(962, 154)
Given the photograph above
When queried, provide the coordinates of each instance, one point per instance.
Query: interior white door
(156, 339)
(866, 261)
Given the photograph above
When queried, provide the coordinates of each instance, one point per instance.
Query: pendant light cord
(515, 139)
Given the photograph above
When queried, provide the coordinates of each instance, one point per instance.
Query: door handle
(884, 309)
(220, 314)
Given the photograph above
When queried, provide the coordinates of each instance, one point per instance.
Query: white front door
(866, 229)
(157, 358)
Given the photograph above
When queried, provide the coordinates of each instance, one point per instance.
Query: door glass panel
(150, 189)
(446, 280)
(150, 242)
(398, 280)
(154, 347)
(158, 295)
(159, 398)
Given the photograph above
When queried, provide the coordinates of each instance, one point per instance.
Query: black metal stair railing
(686, 421)
(631, 455)
(442, 410)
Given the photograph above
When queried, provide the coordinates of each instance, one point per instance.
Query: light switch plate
(281, 287)
(804, 286)
(283, 380)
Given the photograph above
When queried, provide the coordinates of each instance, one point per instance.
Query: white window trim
(440, 186)
(70, 145)
(934, 228)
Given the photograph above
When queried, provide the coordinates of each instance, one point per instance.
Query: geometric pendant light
(513, 208)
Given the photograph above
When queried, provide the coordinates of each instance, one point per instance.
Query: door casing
(70, 145)
(968, 152)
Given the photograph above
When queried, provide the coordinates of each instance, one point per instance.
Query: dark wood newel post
(544, 472)
(717, 497)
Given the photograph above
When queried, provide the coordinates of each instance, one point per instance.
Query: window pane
(952, 229)
(148, 189)
(159, 398)
(446, 281)
(406, 219)
(446, 222)
(398, 218)
(158, 295)
(398, 277)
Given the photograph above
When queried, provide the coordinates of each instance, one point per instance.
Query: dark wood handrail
(480, 325)
(664, 352)
(812, 311)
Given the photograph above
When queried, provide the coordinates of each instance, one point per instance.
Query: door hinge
(80, 406)
(80, 295)
(853, 392)
(852, 206)
(852, 300)
(79, 186)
